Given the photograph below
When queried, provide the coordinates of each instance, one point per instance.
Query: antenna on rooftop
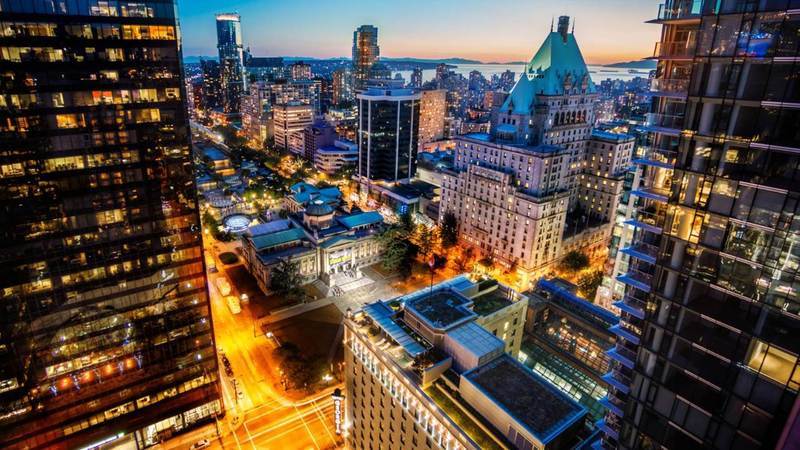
(552, 19)
(573, 26)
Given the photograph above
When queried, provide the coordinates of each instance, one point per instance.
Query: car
(202, 443)
(223, 286)
(228, 371)
(226, 361)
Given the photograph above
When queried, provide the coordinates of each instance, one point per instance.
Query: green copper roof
(557, 62)
(266, 241)
(363, 218)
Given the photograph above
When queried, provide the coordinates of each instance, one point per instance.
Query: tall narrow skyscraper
(105, 329)
(365, 53)
(231, 60)
(707, 350)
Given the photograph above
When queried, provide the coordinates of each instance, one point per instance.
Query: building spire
(563, 26)
(552, 19)
(573, 26)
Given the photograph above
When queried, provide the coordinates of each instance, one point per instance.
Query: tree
(574, 261)
(285, 279)
(449, 230)
(465, 259)
(398, 250)
(589, 282)
(426, 238)
(297, 372)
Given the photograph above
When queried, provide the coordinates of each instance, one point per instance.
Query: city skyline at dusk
(502, 31)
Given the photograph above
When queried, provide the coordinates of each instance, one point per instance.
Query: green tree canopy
(574, 261)
(449, 231)
(285, 279)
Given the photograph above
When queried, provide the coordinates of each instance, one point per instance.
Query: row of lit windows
(88, 31)
(88, 54)
(89, 98)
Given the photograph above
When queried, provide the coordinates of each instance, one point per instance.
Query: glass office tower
(105, 328)
(388, 131)
(231, 60)
(707, 349)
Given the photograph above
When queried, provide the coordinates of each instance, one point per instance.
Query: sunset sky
(486, 30)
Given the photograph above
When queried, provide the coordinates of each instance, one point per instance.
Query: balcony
(679, 10)
(624, 333)
(631, 306)
(670, 87)
(610, 432)
(622, 355)
(643, 225)
(613, 405)
(665, 123)
(637, 279)
(678, 50)
(657, 157)
(618, 381)
(643, 251)
(652, 193)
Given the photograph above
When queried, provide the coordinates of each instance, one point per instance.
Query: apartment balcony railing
(602, 425)
(631, 306)
(618, 381)
(643, 251)
(680, 10)
(674, 49)
(665, 122)
(657, 157)
(637, 279)
(622, 355)
(670, 87)
(652, 193)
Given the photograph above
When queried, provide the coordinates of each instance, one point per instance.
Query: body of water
(598, 73)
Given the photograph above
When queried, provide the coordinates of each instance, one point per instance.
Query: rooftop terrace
(491, 302)
(442, 309)
(527, 397)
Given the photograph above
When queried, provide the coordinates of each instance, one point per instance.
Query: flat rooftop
(441, 309)
(491, 302)
(530, 399)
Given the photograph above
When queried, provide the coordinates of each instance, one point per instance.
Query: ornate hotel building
(707, 348)
(511, 190)
(105, 329)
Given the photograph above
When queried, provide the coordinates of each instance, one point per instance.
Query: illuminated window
(774, 363)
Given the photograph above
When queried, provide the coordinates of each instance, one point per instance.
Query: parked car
(202, 443)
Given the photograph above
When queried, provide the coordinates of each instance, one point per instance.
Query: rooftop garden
(457, 415)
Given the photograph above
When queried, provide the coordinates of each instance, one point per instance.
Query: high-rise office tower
(105, 330)
(707, 349)
(365, 53)
(212, 84)
(289, 121)
(388, 128)
(231, 60)
(300, 71)
(432, 109)
(342, 86)
(416, 78)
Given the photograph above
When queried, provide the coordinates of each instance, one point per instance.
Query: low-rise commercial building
(331, 158)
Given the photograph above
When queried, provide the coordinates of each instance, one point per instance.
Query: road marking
(249, 436)
(282, 422)
(324, 419)
(309, 429)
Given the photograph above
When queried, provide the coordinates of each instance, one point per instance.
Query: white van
(233, 304)
(223, 286)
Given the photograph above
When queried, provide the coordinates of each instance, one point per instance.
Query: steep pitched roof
(556, 60)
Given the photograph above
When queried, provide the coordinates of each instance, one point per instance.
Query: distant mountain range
(640, 64)
(426, 62)
(386, 59)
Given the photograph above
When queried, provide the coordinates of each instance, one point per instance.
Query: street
(260, 417)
